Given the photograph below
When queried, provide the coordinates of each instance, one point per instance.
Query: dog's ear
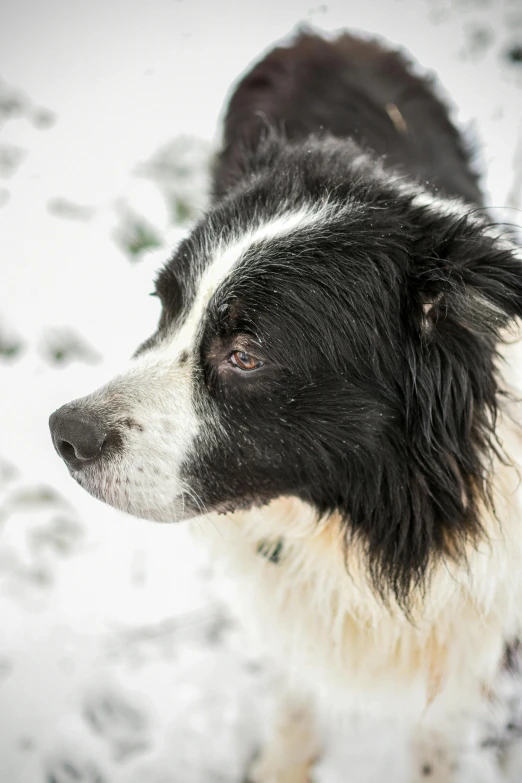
(465, 273)
(465, 289)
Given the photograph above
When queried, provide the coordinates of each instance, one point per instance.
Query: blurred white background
(118, 661)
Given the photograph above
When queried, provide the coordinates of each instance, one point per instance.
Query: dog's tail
(350, 88)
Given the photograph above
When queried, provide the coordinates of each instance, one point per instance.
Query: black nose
(78, 435)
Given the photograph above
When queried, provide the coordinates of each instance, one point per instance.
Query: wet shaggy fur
(362, 474)
(387, 391)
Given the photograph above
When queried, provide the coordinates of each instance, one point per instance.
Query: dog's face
(331, 343)
(240, 386)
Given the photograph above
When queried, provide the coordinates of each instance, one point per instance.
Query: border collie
(331, 385)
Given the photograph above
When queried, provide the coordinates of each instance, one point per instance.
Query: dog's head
(327, 332)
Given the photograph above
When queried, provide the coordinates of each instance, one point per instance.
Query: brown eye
(244, 361)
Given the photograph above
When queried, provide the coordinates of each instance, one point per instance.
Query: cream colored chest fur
(316, 613)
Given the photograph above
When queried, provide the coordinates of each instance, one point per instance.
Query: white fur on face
(153, 403)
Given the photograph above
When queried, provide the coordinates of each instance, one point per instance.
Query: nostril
(66, 449)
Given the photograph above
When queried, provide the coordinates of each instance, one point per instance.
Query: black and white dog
(330, 383)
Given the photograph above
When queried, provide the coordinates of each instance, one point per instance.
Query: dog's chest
(312, 607)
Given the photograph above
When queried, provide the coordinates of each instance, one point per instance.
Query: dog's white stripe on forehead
(226, 257)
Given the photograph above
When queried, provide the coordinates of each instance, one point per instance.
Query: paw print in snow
(124, 726)
(63, 770)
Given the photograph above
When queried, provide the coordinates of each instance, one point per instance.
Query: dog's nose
(78, 435)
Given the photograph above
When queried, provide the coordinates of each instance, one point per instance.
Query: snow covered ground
(119, 662)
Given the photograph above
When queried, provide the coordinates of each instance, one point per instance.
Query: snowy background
(119, 662)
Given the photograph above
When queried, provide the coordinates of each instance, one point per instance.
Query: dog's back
(353, 88)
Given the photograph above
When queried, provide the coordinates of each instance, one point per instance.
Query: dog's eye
(244, 361)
